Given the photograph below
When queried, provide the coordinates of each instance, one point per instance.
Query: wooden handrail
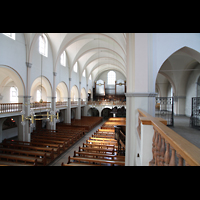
(163, 134)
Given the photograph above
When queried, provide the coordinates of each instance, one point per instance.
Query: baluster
(158, 150)
(155, 148)
(167, 155)
(152, 162)
(162, 152)
(186, 164)
(173, 157)
(180, 159)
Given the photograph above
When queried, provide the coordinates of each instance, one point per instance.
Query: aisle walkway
(182, 127)
(70, 151)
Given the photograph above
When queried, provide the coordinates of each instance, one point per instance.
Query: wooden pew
(99, 155)
(37, 150)
(90, 149)
(73, 164)
(7, 163)
(97, 161)
(106, 130)
(47, 142)
(104, 133)
(53, 138)
(102, 142)
(18, 159)
(99, 146)
(103, 136)
(55, 147)
(40, 156)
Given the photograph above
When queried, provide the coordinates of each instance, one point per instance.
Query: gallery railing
(168, 147)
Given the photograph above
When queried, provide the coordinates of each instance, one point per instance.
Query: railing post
(172, 160)
(180, 161)
(162, 152)
(152, 162)
(167, 155)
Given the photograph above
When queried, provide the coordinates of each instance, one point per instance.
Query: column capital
(29, 65)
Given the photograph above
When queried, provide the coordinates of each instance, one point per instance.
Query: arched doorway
(173, 76)
(93, 112)
(106, 113)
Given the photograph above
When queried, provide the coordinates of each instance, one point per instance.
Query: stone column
(78, 113)
(53, 100)
(138, 91)
(27, 134)
(69, 103)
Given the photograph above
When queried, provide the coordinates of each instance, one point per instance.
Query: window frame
(111, 77)
(43, 48)
(75, 68)
(83, 73)
(63, 59)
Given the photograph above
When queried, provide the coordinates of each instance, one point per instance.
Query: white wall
(13, 53)
(165, 44)
(191, 90)
(47, 64)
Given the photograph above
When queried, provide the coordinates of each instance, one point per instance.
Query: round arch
(94, 112)
(62, 91)
(74, 93)
(83, 94)
(46, 90)
(106, 113)
(10, 77)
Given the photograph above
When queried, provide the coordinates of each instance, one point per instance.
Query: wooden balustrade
(38, 105)
(10, 107)
(62, 103)
(168, 147)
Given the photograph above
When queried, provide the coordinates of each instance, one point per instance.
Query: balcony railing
(106, 103)
(168, 147)
(10, 107)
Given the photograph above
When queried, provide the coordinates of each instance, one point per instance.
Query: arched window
(13, 95)
(76, 67)
(63, 59)
(84, 73)
(111, 77)
(90, 77)
(39, 95)
(43, 45)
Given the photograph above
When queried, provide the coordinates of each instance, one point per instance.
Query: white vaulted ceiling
(94, 52)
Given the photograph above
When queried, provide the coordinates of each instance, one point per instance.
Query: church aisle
(70, 151)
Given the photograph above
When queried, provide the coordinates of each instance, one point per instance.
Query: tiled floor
(70, 151)
(182, 127)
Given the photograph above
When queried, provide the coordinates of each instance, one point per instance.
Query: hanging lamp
(49, 116)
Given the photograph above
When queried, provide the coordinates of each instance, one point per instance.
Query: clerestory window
(43, 45)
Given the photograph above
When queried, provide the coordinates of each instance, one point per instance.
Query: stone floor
(182, 127)
(70, 152)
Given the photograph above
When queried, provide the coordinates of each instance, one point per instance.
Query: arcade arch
(41, 89)
(10, 78)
